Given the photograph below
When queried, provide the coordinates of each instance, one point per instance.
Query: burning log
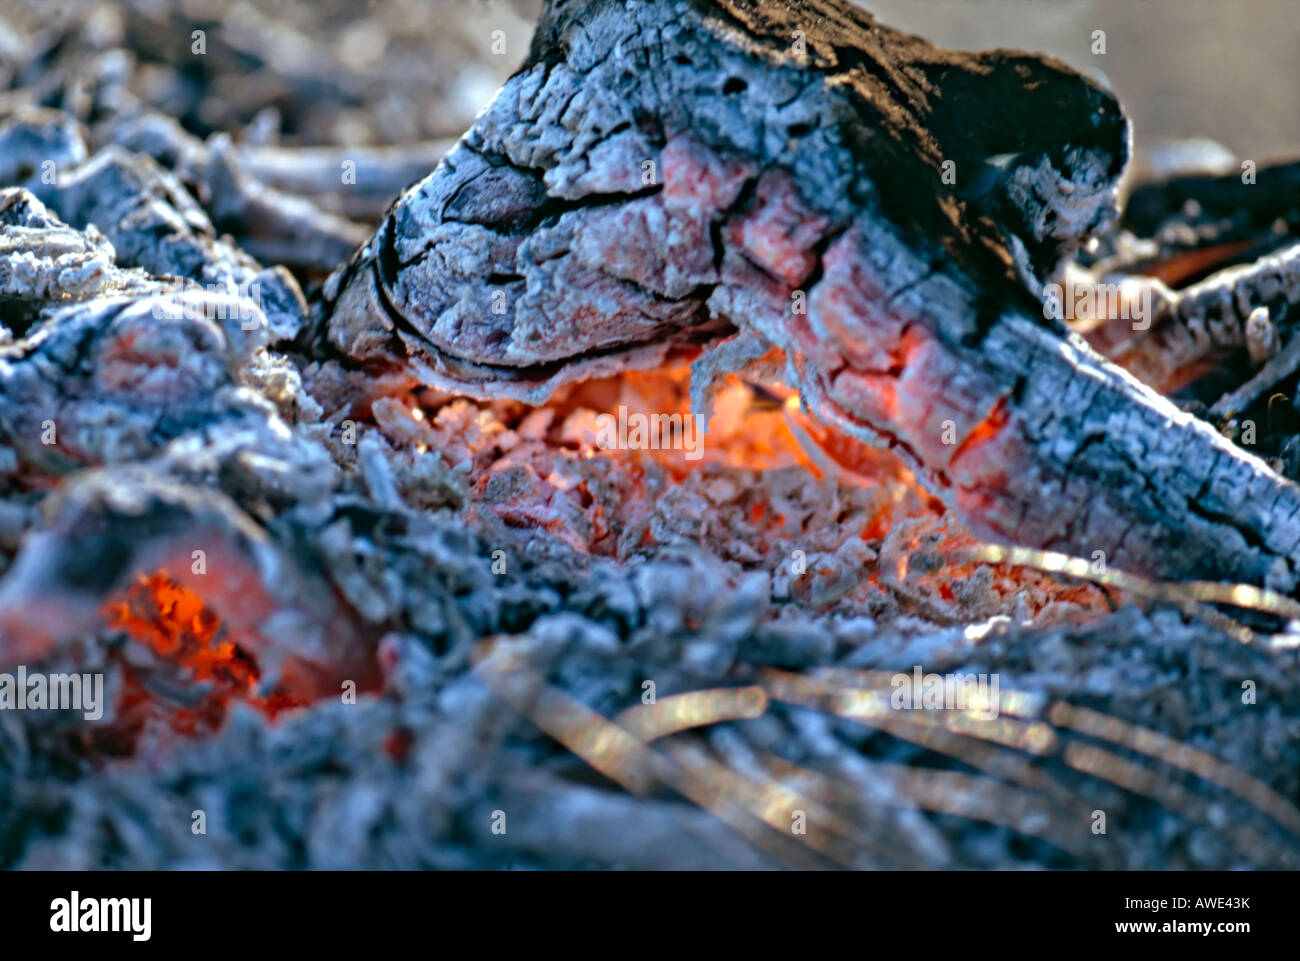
(875, 208)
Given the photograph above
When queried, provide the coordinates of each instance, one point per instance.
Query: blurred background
(401, 71)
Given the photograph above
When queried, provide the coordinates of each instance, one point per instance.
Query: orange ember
(173, 622)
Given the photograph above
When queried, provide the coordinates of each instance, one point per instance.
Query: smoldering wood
(1250, 307)
(176, 430)
(922, 297)
(1216, 312)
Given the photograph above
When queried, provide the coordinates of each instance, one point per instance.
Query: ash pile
(345, 620)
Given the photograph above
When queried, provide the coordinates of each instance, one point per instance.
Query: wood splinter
(662, 176)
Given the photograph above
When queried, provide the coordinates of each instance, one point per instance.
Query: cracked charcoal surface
(536, 254)
(374, 560)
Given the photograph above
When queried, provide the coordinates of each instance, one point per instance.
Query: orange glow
(985, 431)
(173, 622)
(1177, 269)
(543, 467)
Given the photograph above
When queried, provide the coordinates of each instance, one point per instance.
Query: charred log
(915, 198)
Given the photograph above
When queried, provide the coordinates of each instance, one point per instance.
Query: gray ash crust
(861, 122)
(507, 273)
(320, 789)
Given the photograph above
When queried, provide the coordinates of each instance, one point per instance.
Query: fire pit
(765, 439)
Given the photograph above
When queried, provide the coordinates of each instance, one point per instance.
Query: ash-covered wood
(656, 178)
(204, 457)
(865, 120)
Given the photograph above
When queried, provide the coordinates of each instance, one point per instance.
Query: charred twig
(1250, 306)
(277, 226)
(1277, 369)
(375, 174)
(283, 220)
(1217, 313)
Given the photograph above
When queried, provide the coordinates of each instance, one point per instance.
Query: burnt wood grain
(662, 176)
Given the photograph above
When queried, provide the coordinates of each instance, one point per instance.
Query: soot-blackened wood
(1201, 210)
(660, 175)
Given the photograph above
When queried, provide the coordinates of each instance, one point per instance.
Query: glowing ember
(174, 623)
